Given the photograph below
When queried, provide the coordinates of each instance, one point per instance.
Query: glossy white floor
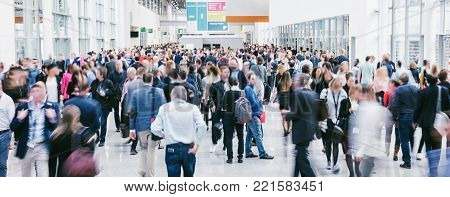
(115, 159)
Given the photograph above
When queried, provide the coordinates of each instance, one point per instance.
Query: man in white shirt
(7, 111)
(183, 127)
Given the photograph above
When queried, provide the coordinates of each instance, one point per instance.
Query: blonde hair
(336, 83)
(70, 121)
(281, 69)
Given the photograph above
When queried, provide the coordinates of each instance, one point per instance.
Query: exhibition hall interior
(224, 88)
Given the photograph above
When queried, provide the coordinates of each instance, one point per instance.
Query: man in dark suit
(111, 65)
(304, 124)
(425, 113)
(33, 123)
(443, 76)
(239, 74)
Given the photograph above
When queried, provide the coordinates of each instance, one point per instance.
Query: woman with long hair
(284, 92)
(65, 139)
(381, 83)
(212, 76)
(67, 78)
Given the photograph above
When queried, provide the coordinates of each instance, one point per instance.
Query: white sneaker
(419, 156)
(335, 169)
(213, 148)
(329, 165)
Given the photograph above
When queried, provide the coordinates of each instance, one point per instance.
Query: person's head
(251, 78)
(432, 80)
(233, 81)
(148, 78)
(38, 92)
(336, 84)
(291, 64)
(413, 65)
(394, 83)
(70, 121)
(53, 70)
(72, 68)
(426, 63)
(316, 73)
(178, 93)
(435, 70)
(198, 63)
(234, 64)
(350, 78)
(214, 71)
(404, 78)
(306, 69)
(443, 76)
(131, 73)
(224, 73)
(368, 93)
(341, 51)
(368, 58)
(301, 80)
(183, 75)
(355, 92)
(174, 75)
(2, 67)
(260, 60)
(101, 73)
(286, 82)
(141, 71)
(119, 66)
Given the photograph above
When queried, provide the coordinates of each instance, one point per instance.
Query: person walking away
(284, 88)
(117, 77)
(404, 102)
(183, 127)
(254, 126)
(34, 122)
(229, 121)
(7, 112)
(367, 72)
(145, 103)
(303, 115)
(431, 100)
(102, 90)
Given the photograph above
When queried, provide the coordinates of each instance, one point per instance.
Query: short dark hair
(148, 78)
(260, 60)
(233, 81)
(348, 75)
(396, 83)
(306, 69)
(183, 75)
(103, 71)
(368, 58)
(443, 74)
(174, 74)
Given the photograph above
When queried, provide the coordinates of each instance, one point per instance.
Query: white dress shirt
(179, 122)
(7, 111)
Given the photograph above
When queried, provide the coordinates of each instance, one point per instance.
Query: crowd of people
(54, 113)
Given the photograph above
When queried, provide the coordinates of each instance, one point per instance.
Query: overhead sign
(206, 15)
(143, 29)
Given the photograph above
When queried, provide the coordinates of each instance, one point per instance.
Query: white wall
(247, 8)
(142, 17)
(7, 52)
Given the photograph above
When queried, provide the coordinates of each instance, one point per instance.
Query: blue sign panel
(191, 11)
(217, 26)
(202, 16)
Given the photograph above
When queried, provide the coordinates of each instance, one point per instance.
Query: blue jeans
(433, 162)
(5, 139)
(254, 130)
(177, 157)
(104, 125)
(405, 127)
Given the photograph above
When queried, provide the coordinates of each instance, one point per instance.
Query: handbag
(80, 163)
(440, 122)
(323, 108)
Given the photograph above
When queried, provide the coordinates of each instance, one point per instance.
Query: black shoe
(97, 141)
(118, 130)
(266, 157)
(133, 152)
(160, 147)
(240, 161)
(406, 166)
(101, 144)
(251, 156)
(229, 161)
(395, 158)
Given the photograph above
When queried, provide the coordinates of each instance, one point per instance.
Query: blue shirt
(253, 99)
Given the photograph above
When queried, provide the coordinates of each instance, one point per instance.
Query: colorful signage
(209, 15)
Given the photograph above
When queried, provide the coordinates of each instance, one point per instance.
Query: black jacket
(229, 100)
(108, 87)
(425, 113)
(404, 100)
(303, 116)
(216, 94)
(118, 79)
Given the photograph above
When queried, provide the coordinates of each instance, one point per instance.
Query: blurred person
(443, 79)
(239, 74)
(229, 121)
(430, 101)
(33, 123)
(303, 115)
(66, 138)
(369, 143)
(414, 72)
(393, 85)
(66, 79)
(125, 119)
(315, 76)
(388, 64)
(350, 81)
(117, 77)
(403, 103)
(333, 97)
(347, 116)
(145, 103)
(284, 89)
(52, 83)
(381, 83)
(212, 76)
(182, 126)
(7, 112)
(367, 73)
(216, 95)
(102, 90)
(254, 126)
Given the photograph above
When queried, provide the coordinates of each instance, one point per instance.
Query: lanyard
(336, 102)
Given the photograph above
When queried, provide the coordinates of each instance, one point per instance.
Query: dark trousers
(405, 127)
(302, 165)
(177, 157)
(229, 126)
(216, 118)
(116, 115)
(104, 123)
(432, 142)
